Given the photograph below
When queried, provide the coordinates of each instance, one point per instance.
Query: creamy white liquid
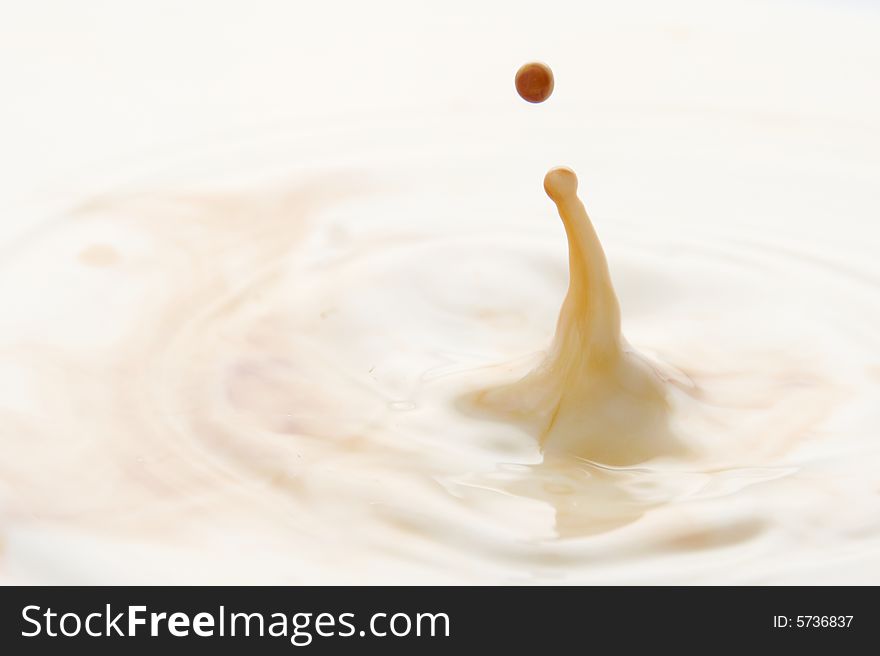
(258, 365)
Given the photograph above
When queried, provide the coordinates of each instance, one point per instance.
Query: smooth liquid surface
(281, 370)
(261, 347)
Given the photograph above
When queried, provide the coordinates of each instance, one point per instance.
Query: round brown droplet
(534, 82)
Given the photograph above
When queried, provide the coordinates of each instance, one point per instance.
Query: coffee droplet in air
(534, 82)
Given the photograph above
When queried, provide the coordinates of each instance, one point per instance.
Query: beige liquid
(340, 379)
(592, 396)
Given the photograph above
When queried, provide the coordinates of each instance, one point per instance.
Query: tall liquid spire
(592, 396)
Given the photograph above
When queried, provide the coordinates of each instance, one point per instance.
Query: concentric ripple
(273, 369)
